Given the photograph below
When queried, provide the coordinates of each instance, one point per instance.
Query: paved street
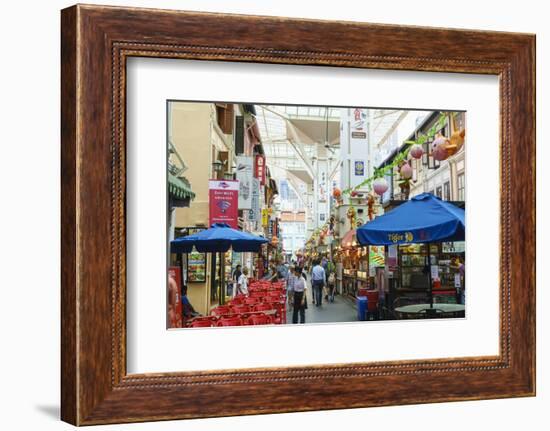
(341, 310)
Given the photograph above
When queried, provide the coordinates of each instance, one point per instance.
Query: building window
(461, 191)
(447, 191)
(438, 191)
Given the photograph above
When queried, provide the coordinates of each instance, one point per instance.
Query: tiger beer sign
(224, 202)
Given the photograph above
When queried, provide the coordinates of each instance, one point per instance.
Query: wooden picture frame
(95, 42)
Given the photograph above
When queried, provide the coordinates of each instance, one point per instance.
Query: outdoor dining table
(416, 310)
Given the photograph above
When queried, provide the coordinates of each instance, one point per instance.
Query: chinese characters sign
(259, 168)
(223, 203)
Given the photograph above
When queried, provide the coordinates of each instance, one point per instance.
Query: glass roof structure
(286, 147)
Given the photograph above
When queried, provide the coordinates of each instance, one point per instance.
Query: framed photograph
(220, 171)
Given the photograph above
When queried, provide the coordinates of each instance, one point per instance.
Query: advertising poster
(376, 258)
(359, 167)
(196, 267)
(244, 176)
(224, 202)
(175, 318)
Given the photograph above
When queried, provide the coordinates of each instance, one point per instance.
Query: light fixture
(217, 165)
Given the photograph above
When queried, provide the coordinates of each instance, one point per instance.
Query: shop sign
(434, 271)
(254, 213)
(359, 167)
(392, 256)
(223, 202)
(265, 217)
(259, 168)
(244, 176)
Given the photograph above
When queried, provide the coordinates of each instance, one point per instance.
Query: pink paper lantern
(416, 151)
(380, 185)
(406, 171)
(439, 149)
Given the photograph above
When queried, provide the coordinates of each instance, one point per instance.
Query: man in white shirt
(242, 283)
(318, 279)
(298, 287)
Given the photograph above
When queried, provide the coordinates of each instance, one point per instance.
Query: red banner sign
(175, 306)
(259, 168)
(224, 202)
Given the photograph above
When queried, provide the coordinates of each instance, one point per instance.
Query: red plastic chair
(237, 300)
(220, 310)
(251, 300)
(259, 319)
(280, 316)
(230, 321)
(263, 306)
(201, 323)
(241, 308)
(372, 303)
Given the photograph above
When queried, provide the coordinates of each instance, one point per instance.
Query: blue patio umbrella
(425, 218)
(219, 238)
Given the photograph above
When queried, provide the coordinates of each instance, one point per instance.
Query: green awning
(179, 187)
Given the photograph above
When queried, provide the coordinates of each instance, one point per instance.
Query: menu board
(196, 267)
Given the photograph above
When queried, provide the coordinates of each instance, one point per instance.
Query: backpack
(331, 278)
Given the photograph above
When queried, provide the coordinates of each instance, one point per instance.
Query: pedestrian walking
(318, 279)
(299, 288)
(242, 283)
(235, 279)
(331, 280)
(290, 279)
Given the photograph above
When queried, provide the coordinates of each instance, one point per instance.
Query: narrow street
(341, 310)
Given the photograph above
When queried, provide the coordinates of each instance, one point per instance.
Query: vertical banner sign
(265, 217)
(259, 168)
(358, 144)
(175, 319)
(244, 176)
(223, 202)
(254, 214)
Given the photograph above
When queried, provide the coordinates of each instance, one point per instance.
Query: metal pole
(222, 278)
(430, 292)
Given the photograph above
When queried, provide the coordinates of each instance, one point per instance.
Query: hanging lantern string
(403, 155)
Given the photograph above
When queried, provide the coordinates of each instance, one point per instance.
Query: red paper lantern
(416, 151)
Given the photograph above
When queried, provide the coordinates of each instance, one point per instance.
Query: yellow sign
(265, 217)
(401, 237)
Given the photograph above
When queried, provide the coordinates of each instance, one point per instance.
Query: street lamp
(217, 166)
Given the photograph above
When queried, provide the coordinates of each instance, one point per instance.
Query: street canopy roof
(219, 238)
(424, 218)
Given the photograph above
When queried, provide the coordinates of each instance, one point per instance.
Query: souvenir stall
(350, 258)
(415, 232)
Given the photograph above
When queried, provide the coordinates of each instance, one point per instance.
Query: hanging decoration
(351, 214)
(440, 150)
(380, 186)
(370, 207)
(416, 151)
(406, 171)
